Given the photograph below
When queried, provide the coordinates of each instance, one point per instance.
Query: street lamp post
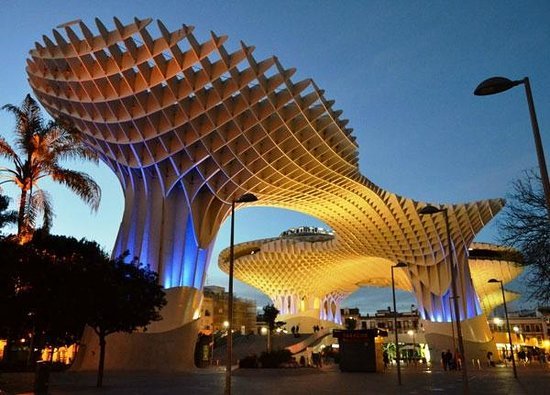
(496, 85)
(494, 280)
(398, 265)
(246, 198)
(452, 324)
(431, 210)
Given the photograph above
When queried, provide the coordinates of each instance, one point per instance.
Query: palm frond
(29, 216)
(43, 202)
(67, 143)
(80, 183)
(38, 205)
(28, 122)
(7, 151)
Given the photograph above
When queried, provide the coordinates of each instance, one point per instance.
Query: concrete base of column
(168, 345)
(477, 339)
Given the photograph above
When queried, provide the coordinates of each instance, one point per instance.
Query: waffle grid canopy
(189, 126)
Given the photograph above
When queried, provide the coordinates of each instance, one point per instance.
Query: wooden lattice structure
(188, 126)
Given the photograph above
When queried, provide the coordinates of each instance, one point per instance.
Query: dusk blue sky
(403, 72)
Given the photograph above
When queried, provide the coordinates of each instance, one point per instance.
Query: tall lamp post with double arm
(246, 198)
(431, 210)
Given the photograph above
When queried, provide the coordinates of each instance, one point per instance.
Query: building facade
(214, 312)
(530, 331)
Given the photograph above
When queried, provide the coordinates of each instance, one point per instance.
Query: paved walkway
(329, 380)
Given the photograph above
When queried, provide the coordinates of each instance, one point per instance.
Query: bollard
(41, 378)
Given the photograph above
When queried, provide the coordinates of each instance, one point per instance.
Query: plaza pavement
(533, 379)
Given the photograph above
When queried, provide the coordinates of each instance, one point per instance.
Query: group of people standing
(449, 361)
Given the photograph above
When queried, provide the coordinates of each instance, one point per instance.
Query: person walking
(449, 360)
(386, 359)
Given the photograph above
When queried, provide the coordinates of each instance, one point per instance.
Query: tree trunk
(269, 341)
(30, 358)
(100, 369)
(21, 213)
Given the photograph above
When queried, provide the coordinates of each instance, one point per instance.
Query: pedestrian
(386, 359)
(458, 360)
(449, 359)
(489, 358)
(444, 360)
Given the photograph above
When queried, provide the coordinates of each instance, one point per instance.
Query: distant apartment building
(214, 312)
(528, 328)
(410, 335)
(384, 319)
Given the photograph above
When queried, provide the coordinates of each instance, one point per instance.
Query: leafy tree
(42, 284)
(6, 217)
(118, 289)
(270, 315)
(525, 225)
(10, 288)
(351, 323)
(39, 148)
(54, 285)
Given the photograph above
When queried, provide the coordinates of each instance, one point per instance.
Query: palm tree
(39, 148)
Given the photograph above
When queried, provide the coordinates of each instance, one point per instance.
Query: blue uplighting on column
(190, 251)
(202, 260)
(445, 310)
